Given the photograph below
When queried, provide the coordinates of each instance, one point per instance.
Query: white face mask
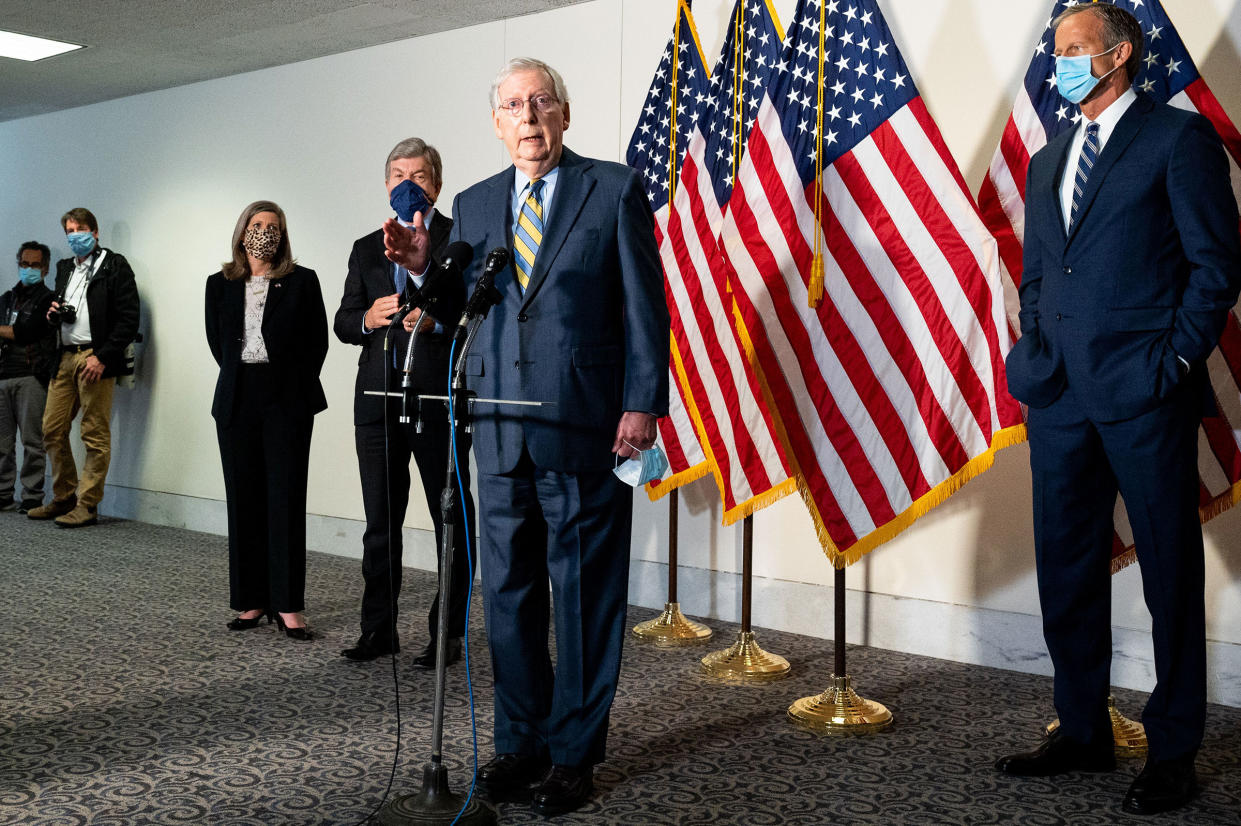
(647, 466)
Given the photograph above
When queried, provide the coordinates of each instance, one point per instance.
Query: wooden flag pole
(839, 710)
(671, 628)
(746, 661)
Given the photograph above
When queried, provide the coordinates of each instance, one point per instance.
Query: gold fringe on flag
(1207, 512)
(691, 474)
(936, 496)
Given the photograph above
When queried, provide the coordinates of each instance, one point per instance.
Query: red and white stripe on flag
(890, 386)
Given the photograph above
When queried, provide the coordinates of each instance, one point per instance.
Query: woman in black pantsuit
(267, 329)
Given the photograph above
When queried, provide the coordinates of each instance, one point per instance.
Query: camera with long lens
(64, 313)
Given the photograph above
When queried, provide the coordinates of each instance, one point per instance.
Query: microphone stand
(436, 803)
(407, 380)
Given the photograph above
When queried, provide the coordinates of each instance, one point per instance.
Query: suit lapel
(500, 199)
(1126, 129)
(573, 186)
(1054, 184)
(276, 292)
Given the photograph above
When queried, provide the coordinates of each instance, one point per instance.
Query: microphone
(485, 294)
(456, 258)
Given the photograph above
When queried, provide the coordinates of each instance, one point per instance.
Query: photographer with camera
(96, 314)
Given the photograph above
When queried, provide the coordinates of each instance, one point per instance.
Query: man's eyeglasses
(543, 104)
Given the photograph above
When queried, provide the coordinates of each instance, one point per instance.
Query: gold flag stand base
(840, 711)
(672, 628)
(745, 662)
(1129, 735)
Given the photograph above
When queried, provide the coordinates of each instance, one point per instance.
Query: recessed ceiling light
(25, 47)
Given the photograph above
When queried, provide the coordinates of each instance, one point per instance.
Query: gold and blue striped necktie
(528, 233)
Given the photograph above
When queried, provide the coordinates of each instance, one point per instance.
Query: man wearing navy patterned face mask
(96, 316)
(374, 288)
(1131, 264)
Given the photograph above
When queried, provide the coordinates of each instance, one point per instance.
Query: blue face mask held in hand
(645, 467)
(407, 198)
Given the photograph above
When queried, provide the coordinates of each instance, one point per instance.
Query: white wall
(168, 172)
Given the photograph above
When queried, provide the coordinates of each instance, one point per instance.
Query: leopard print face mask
(261, 242)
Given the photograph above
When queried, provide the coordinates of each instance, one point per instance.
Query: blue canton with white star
(760, 54)
(649, 149)
(865, 80)
(1166, 67)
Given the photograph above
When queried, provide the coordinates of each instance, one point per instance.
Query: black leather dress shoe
(508, 778)
(1057, 755)
(564, 789)
(1161, 786)
(426, 660)
(371, 646)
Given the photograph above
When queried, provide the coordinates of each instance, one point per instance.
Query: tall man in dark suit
(372, 295)
(1132, 263)
(583, 325)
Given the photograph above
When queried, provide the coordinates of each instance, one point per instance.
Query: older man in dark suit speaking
(582, 324)
(1131, 266)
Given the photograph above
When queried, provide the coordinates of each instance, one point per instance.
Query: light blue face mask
(81, 243)
(645, 467)
(1074, 78)
(29, 275)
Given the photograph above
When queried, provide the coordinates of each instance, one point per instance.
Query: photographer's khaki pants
(68, 393)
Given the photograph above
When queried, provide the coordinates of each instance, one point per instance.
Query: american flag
(891, 386)
(654, 150)
(1039, 114)
(724, 395)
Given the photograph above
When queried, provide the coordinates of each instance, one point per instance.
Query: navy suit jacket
(1148, 272)
(591, 332)
(369, 278)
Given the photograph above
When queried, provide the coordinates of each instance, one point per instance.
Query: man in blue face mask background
(1132, 262)
(27, 353)
(95, 316)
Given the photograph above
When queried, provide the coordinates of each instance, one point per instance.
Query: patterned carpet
(125, 701)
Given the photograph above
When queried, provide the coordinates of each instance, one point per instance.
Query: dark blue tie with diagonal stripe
(1085, 163)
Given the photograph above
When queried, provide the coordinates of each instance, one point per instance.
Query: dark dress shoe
(426, 660)
(28, 505)
(508, 778)
(301, 633)
(1057, 755)
(1161, 786)
(564, 789)
(371, 646)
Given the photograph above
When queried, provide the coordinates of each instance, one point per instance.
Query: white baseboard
(961, 633)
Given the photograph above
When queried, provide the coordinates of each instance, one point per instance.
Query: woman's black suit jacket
(294, 330)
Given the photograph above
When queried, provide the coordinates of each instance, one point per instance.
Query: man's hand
(636, 430)
(408, 246)
(417, 317)
(55, 305)
(92, 371)
(379, 313)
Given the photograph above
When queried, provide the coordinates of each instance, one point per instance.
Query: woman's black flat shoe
(239, 624)
(303, 633)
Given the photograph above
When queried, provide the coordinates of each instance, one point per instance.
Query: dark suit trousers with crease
(265, 455)
(1078, 465)
(385, 497)
(572, 530)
